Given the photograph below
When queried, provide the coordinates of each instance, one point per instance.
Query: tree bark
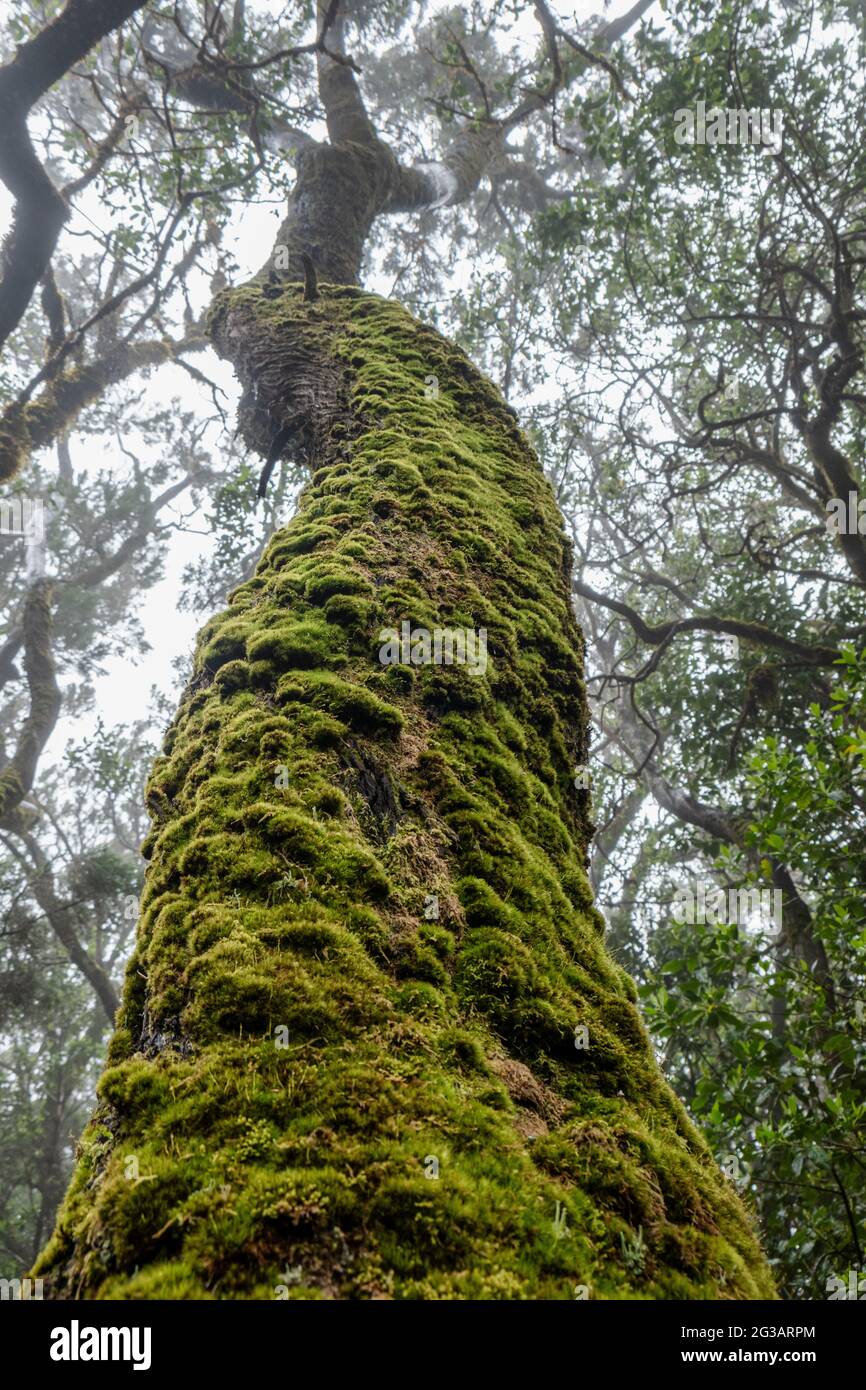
(371, 1043)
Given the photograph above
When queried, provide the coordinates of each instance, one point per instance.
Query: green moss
(227, 644)
(233, 676)
(335, 581)
(352, 703)
(301, 645)
(15, 442)
(349, 611)
(348, 1041)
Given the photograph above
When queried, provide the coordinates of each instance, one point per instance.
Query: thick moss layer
(371, 1042)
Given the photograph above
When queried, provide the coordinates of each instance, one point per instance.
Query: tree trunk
(371, 1043)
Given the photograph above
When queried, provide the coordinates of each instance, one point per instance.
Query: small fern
(634, 1252)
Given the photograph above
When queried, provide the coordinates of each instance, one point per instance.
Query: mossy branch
(25, 428)
(17, 777)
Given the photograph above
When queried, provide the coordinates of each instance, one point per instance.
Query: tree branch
(661, 633)
(40, 208)
(60, 918)
(17, 777)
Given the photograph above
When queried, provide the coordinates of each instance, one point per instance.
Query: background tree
(572, 252)
(717, 599)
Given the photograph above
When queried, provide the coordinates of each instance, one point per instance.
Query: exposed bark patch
(375, 786)
(153, 1041)
(544, 1107)
(295, 391)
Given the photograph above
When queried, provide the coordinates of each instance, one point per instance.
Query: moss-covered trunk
(371, 1043)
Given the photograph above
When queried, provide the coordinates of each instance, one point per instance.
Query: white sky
(123, 692)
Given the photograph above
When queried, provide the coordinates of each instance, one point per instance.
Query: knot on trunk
(295, 389)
